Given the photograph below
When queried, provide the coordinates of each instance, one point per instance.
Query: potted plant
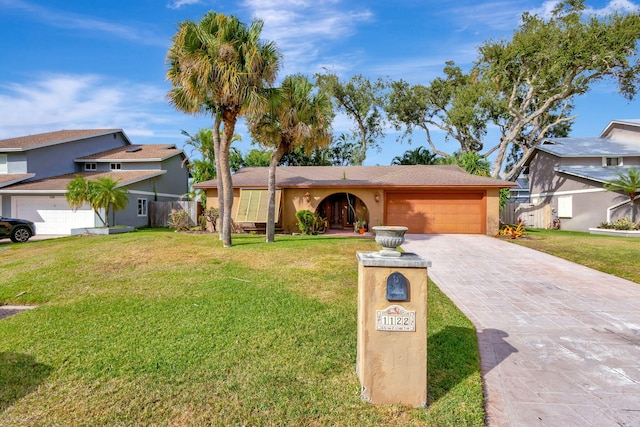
(359, 226)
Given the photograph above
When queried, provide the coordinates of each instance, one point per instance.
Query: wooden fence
(535, 216)
(159, 212)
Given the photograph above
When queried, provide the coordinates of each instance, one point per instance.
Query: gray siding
(58, 159)
(140, 166)
(542, 178)
(589, 200)
(16, 163)
(167, 187)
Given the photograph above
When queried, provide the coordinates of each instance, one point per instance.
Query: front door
(337, 211)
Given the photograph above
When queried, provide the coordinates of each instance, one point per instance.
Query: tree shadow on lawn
(452, 356)
(20, 375)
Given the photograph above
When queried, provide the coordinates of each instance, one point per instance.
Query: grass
(163, 328)
(611, 254)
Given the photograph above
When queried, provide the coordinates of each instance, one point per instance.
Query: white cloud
(177, 4)
(615, 6)
(624, 6)
(86, 23)
(302, 29)
(67, 101)
(497, 15)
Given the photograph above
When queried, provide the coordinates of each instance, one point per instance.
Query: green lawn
(619, 256)
(164, 328)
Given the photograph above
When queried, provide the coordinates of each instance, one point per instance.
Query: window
(253, 206)
(142, 207)
(612, 161)
(116, 166)
(565, 206)
(90, 166)
(3, 164)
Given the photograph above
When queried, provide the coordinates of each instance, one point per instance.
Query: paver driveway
(559, 342)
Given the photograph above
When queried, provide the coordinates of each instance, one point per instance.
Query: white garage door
(52, 214)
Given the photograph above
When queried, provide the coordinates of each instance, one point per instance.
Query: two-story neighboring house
(570, 173)
(35, 171)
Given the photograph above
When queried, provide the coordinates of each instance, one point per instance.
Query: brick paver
(559, 342)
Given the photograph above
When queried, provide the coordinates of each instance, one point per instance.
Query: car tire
(20, 234)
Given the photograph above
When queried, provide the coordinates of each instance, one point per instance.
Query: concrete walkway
(559, 342)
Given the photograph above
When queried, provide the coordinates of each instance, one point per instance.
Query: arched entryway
(342, 210)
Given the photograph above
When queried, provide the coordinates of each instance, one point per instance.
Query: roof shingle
(156, 152)
(49, 138)
(60, 182)
(361, 176)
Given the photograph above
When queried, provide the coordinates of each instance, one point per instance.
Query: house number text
(395, 318)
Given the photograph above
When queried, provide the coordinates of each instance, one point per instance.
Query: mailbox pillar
(392, 328)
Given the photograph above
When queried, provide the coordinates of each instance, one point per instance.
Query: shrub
(512, 231)
(179, 220)
(621, 224)
(212, 216)
(306, 221)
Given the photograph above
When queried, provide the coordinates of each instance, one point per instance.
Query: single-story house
(570, 173)
(36, 169)
(426, 199)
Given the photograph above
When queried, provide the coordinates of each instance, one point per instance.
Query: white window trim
(145, 207)
(115, 166)
(90, 166)
(4, 164)
(619, 160)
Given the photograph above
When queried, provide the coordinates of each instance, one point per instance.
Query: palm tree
(103, 193)
(78, 192)
(220, 66)
(202, 165)
(106, 194)
(419, 156)
(297, 117)
(471, 162)
(627, 182)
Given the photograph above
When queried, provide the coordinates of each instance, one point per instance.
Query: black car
(18, 230)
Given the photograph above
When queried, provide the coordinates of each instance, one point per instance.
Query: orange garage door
(437, 212)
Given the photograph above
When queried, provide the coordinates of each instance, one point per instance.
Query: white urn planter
(389, 237)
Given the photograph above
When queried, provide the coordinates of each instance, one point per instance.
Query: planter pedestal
(392, 326)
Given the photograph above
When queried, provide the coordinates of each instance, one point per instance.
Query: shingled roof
(51, 138)
(589, 147)
(361, 176)
(60, 183)
(13, 178)
(133, 153)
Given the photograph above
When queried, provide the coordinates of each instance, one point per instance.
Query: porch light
(307, 196)
(377, 196)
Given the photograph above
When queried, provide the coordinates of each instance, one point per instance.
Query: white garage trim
(52, 214)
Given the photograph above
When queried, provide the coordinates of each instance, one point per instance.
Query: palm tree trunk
(225, 177)
(271, 207)
(216, 155)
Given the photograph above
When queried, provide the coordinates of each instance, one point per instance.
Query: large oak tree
(361, 100)
(525, 86)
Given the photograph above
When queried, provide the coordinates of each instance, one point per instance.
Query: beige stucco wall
(367, 208)
(493, 211)
(295, 199)
(392, 365)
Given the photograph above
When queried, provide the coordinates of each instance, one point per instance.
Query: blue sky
(101, 63)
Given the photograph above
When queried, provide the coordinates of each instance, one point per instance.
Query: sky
(73, 64)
